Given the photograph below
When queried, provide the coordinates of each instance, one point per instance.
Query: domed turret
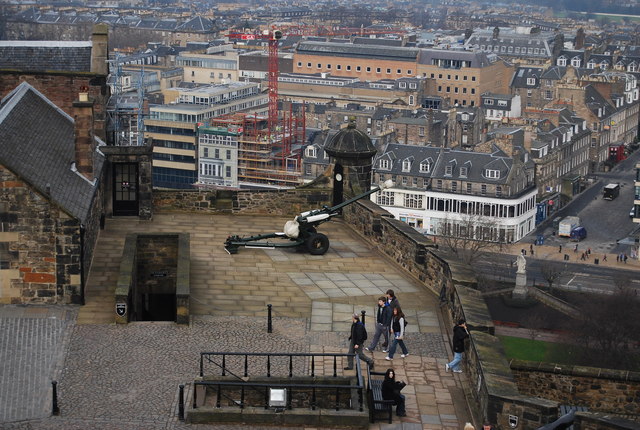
(352, 153)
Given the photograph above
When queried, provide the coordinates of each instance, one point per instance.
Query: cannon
(301, 232)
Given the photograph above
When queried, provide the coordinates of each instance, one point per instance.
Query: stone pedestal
(520, 291)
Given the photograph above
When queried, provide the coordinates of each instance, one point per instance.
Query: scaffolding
(265, 157)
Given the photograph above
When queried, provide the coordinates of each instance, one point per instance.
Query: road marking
(571, 280)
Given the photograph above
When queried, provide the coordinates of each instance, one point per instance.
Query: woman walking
(397, 329)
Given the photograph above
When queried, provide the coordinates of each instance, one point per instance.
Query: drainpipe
(82, 231)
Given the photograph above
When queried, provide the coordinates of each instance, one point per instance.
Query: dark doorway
(338, 184)
(125, 189)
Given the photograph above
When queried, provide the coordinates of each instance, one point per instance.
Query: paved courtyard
(127, 376)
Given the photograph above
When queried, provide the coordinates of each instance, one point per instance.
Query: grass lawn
(537, 350)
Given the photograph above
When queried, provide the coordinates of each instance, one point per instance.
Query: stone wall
(43, 244)
(264, 202)
(600, 390)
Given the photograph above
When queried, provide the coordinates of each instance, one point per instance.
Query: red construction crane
(273, 36)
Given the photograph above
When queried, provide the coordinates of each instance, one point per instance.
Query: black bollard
(363, 313)
(55, 410)
(269, 325)
(181, 403)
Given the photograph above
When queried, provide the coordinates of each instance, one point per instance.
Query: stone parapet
(601, 390)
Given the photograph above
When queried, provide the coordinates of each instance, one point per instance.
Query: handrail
(269, 355)
(209, 357)
(266, 385)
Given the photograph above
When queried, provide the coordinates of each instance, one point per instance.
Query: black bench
(374, 396)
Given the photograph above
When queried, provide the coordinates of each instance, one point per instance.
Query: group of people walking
(390, 325)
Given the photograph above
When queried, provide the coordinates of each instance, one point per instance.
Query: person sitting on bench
(391, 391)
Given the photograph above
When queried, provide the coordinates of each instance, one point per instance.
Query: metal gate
(125, 189)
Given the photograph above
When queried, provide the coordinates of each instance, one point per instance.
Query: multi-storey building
(363, 61)
(447, 192)
(497, 107)
(218, 156)
(173, 127)
(208, 69)
(519, 45)
(462, 76)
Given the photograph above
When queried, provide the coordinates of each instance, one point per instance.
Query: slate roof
(37, 144)
(554, 73)
(475, 162)
(477, 59)
(353, 50)
(595, 101)
(522, 74)
(197, 23)
(40, 56)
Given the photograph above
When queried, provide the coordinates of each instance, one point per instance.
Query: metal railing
(220, 361)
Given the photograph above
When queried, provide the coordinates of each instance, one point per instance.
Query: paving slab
(127, 376)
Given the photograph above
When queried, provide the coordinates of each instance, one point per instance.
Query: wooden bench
(374, 396)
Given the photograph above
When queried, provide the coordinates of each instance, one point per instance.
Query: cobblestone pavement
(127, 376)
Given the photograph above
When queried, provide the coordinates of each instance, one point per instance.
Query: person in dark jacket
(391, 391)
(392, 299)
(383, 321)
(356, 346)
(397, 328)
(460, 333)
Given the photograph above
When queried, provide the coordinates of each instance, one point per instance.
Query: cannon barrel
(336, 208)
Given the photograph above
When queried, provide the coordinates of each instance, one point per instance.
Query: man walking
(383, 320)
(460, 333)
(357, 338)
(392, 300)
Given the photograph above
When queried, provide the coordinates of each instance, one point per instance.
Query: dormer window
(425, 167)
(385, 164)
(604, 65)
(463, 172)
(562, 61)
(448, 170)
(576, 61)
(403, 85)
(492, 174)
(311, 152)
(591, 65)
(406, 165)
(531, 81)
(465, 117)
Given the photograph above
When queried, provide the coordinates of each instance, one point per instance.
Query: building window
(483, 189)
(385, 198)
(311, 152)
(348, 68)
(548, 94)
(562, 61)
(402, 85)
(425, 167)
(368, 69)
(412, 85)
(531, 81)
(421, 131)
(384, 164)
(228, 171)
(498, 191)
(328, 66)
(439, 184)
(469, 187)
(454, 186)
(307, 169)
(463, 172)
(406, 165)
(228, 154)
(378, 69)
(414, 181)
(448, 170)
(299, 63)
(473, 79)
(488, 102)
(319, 66)
(399, 71)
(404, 180)
(413, 201)
(309, 65)
(359, 69)
(492, 174)
(529, 93)
(473, 90)
(338, 67)
(205, 152)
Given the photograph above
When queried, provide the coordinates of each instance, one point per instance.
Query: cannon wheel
(317, 244)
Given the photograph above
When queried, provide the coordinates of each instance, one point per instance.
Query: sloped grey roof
(353, 50)
(37, 144)
(197, 23)
(477, 59)
(554, 73)
(521, 75)
(475, 162)
(40, 56)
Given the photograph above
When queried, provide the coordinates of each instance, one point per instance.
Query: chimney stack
(100, 49)
(83, 131)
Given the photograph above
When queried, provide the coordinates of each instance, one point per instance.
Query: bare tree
(552, 271)
(470, 236)
(610, 327)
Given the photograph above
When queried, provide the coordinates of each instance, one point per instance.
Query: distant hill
(627, 7)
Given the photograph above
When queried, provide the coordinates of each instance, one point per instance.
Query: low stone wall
(262, 202)
(600, 390)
